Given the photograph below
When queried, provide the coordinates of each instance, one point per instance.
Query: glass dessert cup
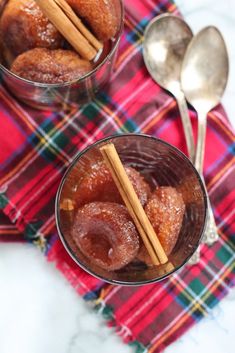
(161, 164)
(71, 94)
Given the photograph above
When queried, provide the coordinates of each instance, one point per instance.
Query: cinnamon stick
(78, 24)
(67, 28)
(166, 268)
(133, 204)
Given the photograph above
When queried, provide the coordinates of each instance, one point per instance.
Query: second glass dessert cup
(161, 164)
(71, 94)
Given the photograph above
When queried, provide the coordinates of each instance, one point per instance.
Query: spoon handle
(201, 140)
(187, 126)
(211, 234)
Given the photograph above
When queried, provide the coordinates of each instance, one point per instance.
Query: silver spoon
(203, 78)
(165, 41)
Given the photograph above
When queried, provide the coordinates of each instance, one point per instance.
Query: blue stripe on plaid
(231, 149)
(138, 30)
(143, 23)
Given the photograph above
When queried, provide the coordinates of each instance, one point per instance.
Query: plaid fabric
(36, 148)
(8, 231)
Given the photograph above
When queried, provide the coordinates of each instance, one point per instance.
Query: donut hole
(95, 242)
(105, 234)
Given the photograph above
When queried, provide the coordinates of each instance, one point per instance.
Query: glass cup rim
(57, 213)
(65, 84)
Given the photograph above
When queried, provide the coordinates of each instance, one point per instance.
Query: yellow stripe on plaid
(231, 136)
(187, 314)
(158, 116)
(172, 8)
(111, 113)
(127, 52)
(224, 128)
(191, 298)
(9, 231)
(228, 241)
(131, 48)
(104, 292)
(40, 144)
(25, 119)
(220, 173)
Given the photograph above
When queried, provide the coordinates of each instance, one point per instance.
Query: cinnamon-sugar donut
(165, 210)
(2, 4)
(101, 15)
(50, 66)
(105, 234)
(98, 185)
(23, 26)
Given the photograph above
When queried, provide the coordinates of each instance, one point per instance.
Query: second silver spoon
(204, 77)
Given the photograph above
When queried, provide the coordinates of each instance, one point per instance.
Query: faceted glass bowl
(161, 164)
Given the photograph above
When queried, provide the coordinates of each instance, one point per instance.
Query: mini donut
(98, 185)
(2, 5)
(105, 234)
(165, 210)
(101, 15)
(23, 26)
(50, 66)
(140, 186)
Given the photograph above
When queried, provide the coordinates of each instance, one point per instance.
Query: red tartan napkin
(35, 149)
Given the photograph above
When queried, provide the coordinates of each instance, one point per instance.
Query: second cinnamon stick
(67, 28)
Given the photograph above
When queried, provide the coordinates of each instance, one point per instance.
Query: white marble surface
(41, 313)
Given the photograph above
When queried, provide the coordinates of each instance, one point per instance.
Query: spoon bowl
(165, 42)
(205, 69)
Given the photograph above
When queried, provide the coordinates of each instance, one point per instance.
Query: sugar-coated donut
(23, 26)
(98, 185)
(50, 66)
(165, 210)
(101, 15)
(105, 234)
